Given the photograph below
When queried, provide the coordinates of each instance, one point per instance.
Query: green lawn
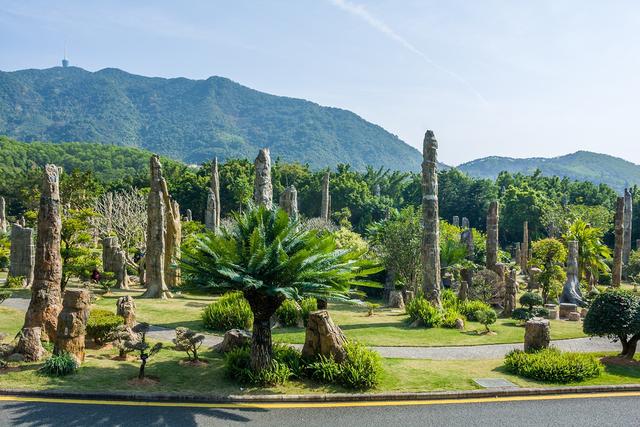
(100, 372)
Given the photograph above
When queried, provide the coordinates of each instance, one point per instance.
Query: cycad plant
(271, 259)
(592, 253)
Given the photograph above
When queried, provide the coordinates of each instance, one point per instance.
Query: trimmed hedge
(102, 325)
(231, 311)
(552, 365)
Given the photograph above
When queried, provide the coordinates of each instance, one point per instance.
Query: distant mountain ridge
(581, 165)
(190, 120)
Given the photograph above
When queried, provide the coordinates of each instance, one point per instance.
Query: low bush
(237, 366)
(449, 300)
(289, 313)
(308, 305)
(59, 365)
(102, 325)
(231, 311)
(362, 368)
(421, 309)
(521, 314)
(552, 365)
(449, 318)
(15, 282)
(324, 370)
(469, 307)
(291, 357)
(530, 300)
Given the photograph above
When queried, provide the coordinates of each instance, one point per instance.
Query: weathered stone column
(262, 187)
(126, 308)
(456, 221)
(466, 238)
(189, 215)
(173, 238)
(493, 218)
(518, 254)
(212, 215)
(430, 248)
(323, 337)
(537, 334)
(638, 244)
(616, 271)
(628, 217)
(511, 290)
(465, 222)
(72, 323)
(325, 209)
(571, 293)
(45, 304)
(524, 259)
(156, 221)
(22, 254)
(289, 202)
(3, 216)
(114, 261)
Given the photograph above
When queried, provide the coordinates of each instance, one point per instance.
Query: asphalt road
(583, 412)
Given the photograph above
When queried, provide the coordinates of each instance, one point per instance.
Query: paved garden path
(490, 351)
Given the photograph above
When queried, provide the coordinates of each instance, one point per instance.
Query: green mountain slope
(189, 120)
(582, 165)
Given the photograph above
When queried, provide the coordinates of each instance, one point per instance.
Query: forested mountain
(582, 166)
(190, 120)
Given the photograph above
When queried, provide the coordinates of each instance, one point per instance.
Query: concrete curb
(310, 398)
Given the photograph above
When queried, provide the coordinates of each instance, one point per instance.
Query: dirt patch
(123, 359)
(91, 345)
(145, 382)
(195, 363)
(620, 361)
(8, 369)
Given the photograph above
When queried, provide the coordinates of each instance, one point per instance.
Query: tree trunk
(142, 366)
(631, 346)
(263, 307)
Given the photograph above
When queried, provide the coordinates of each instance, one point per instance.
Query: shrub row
(552, 365)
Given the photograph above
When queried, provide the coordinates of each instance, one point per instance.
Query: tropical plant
(268, 257)
(592, 253)
(59, 365)
(550, 255)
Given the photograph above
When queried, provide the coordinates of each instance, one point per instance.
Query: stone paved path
(491, 351)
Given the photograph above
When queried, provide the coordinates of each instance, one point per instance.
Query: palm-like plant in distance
(270, 259)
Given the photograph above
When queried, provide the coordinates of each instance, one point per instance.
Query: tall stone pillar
(465, 222)
(212, 215)
(430, 249)
(325, 206)
(628, 217)
(524, 259)
(571, 293)
(114, 261)
(518, 253)
(493, 218)
(22, 254)
(173, 238)
(156, 219)
(45, 304)
(262, 187)
(72, 323)
(3, 216)
(189, 215)
(289, 202)
(616, 272)
(456, 221)
(511, 291)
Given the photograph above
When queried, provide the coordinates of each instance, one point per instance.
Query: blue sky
(514, 78)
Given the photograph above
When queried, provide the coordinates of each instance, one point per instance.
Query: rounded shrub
(552, 365)
(530, 300)
(307, 306)
(421, 309)
(469, 307)
(231, 311)
(486, 317)
(449, 318)
(289, 313)
(102, 325)
(59, 365)
(521, 314)
(362, 368)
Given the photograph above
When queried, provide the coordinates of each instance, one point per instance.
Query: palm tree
(270, 259)
(591, 251)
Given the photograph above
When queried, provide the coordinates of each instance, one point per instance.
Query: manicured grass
(100, 373)
(389, 328)
(10, 321)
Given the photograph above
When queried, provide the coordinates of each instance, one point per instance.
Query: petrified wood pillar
(524, 259)
(628, 217)
(72, 323)
(173, 237)
(114, 261)
(430, 247)
(616, 271)
(289, 202)
(325, 205)
(212, 215)
(126, 308)
(155, 255)
(3, 216)
(493, 218)
(465, 222)
(45, 304)
(537, 334)
(517, 254)
(22, 254)
(323, 337)
(511, 291)
(571, 293)
(29, 345)
(262, 187)
(456, 221)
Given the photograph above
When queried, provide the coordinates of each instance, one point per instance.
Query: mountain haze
(582, 166)
(190, 120)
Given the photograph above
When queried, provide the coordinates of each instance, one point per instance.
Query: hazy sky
(513, 78)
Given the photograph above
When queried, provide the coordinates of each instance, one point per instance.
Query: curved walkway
(490, 351)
